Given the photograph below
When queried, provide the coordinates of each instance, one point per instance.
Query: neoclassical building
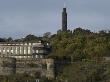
(23, 49)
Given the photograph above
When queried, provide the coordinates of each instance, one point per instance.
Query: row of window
(15, 52)
(14, 47)
(21, 51)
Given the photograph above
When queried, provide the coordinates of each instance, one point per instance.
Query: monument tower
(64, 19)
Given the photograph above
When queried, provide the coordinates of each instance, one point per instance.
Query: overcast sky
(21, 17)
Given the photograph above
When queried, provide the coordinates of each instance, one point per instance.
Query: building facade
(23, 49)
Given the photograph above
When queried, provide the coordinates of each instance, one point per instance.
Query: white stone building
(23, 49)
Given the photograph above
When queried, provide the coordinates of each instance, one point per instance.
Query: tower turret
(64, 19)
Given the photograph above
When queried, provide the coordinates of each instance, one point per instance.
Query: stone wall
(36, 67)
(32, 66)
(7, 66)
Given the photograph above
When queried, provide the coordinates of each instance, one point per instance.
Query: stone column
(14, 50)
(22, 50)
(5, 51)
(31, 50)
(10, 50)
(18, 49)
(27, 49)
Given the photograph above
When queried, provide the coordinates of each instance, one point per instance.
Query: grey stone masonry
(32, 66)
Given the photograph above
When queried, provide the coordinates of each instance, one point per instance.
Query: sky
(21, 17)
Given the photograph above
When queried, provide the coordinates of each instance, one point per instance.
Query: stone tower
(64, 19)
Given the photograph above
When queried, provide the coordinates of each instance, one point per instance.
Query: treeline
(25, 39)
(80, 44)
(85, 50)
(85, 71)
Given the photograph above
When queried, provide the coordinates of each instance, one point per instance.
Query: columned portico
(22, 50)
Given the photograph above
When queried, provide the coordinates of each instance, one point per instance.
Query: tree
(47, 35)
(2, 40)
(30, 38)
(9, 39)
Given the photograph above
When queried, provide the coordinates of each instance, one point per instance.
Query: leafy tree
(9, 39)
(30, 38)
(2, 40)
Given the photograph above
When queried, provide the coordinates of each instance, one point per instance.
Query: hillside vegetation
(84, 51)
